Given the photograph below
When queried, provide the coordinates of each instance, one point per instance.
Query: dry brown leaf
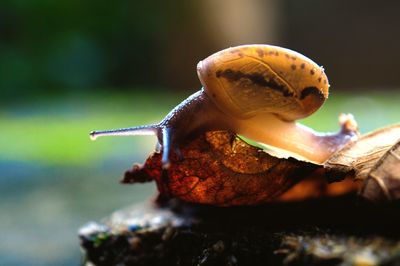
(220, 169)
(360, 156)
(383, 182)
(375, 160)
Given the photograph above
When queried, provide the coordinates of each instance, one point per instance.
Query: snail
(257, 91)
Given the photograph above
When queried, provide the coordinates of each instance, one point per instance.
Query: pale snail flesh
(257, 91)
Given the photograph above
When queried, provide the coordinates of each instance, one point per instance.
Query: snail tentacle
(145, 130)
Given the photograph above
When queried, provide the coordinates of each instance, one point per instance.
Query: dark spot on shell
(255, 78)
(302, 66)
(312, 72)
(271, 52)
(324, 81)
(319, 79)
(276, 53)
(260, 52)
(293, 67)
(314, 91)
(213, 95)
(238, 52)
(287, 55)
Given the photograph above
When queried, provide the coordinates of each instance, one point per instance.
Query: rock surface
(326, 231)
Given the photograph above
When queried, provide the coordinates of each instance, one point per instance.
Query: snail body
(257, 91)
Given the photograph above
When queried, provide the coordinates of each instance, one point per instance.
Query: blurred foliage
(55, 131)
(52, 47)
(48, 46)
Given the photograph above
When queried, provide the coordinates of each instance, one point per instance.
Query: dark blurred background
(68, 67)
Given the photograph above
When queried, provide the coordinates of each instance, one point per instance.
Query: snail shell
(247, 80)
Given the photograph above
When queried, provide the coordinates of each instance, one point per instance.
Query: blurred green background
(68, 67)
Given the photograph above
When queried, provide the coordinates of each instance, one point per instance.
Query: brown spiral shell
(247, 80)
